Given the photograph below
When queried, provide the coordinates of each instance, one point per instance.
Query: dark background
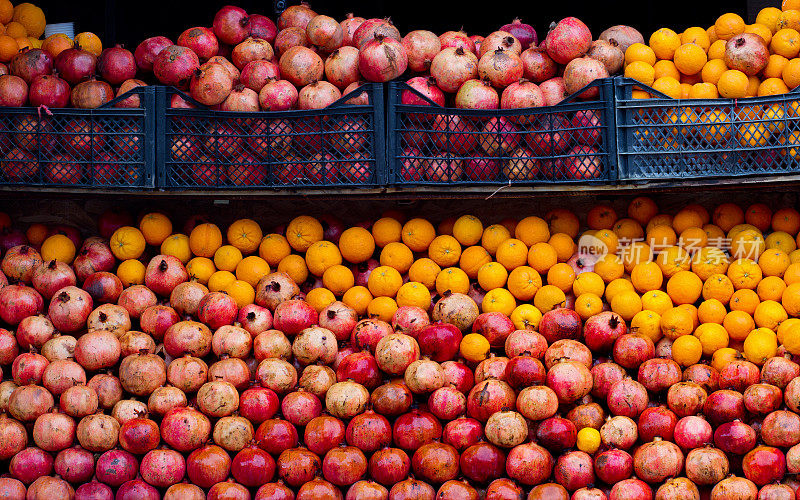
(126, 22)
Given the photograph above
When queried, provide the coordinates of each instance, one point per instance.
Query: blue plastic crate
(662, 138)
(107, 147)
(341, 146)
(432, 145)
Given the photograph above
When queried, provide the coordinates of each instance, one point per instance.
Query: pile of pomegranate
(167, 390)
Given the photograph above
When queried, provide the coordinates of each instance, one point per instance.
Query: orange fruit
(738, 324)
(773, 262)
(786, 42)
(588, 282)
(587, 305)
(627, 304)
(728, 26)
(768, 17)
(245, 234)
(693, 239)
(712, 337)
(660, 237)
(542, 256)
(790, 4)
(31, 17)
(499, 300)
(714, 235)
(684, 287)
(219, 280)
(89, 42)
(322, 255)
(16, 30)
(512, 253)
(664, 43)
(686, 89)
(56, 44)
(640, 52)
(177, 245)
(562, 220)
(295, 266)
(273, 248)
(696, 35)
(770, 288)
(356, 245)
(303, 231)
(492, 275)
(155, 227)
(227, 257)
(616, 287)
(36, 234)
(531, 230)
(772, 86)
(320, 298)
(453, 279)
(384, 281)
(8, 48)
(791, 73)
(789, 18)
(790, 299)
(690, 58)
(666, 68)
(769, 314)
(382, 308)
(733, 84)
(728, 215)
(444, 250)
(775, 66)
(628, 229)
(338, 279)
(744, 273)
(563, 244)
(601, 217)
(472, 259)
(744, 300)
(386, 230)
(468, 230)
(747, 244)
(609, 267)
(676, 322)
(781, 240)
(548, 298)
(641, 72)
(523, 283)
(493, 236)
(687, 350)
(787, 220)
(708, 261)
(717, 50)
(672, 260)
(127, 243)
(358, 298)
(760, 30)
(642, 208)
(414, 294)
(418, 234)
(668, 86)
(251, 269)
(243, 293)
(712, 311)
(609, 239)
(657, 301)
(6, 11)
(562, 276)
(718, 287)
(424, 271)
(58, 247)
(636, 253)
(131, 272)
(646, 276)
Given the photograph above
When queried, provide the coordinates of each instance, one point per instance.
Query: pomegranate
(686, 398)
(391, 399)
(613, 466)
(747, 53)
(657, 460)
(163, 467)
(706, 466)
(201, 40)
(32, 331)
(49, 90)
(256, 74)
(49, 277)
(116, 64)
(522, 32)
(554, 90)
(421, 46)
(452, 67)
(108, 389)
(537, 402)
(175, 65)
(678, 487)
(29, 368)
(764, 464)
(140, 374)
(19, 263)
(208, 465)
(98, 349)
(582, 71)
(92, 257)
(568, 39)
(528, 464)
(262, 27)
(627, 398)
(231, 25)
(477, 94)
(146, 53)
(75, 465)
(341, 67)
(501, 67)
(571, 381)
(456, 39)
(778, 371)
(608, 54)
(621, 36)
(301, 66)
(185, 429)
(724, 406)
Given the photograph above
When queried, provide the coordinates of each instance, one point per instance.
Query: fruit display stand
(340, 146)
(568, 143)
(103, 148)
(667, 139)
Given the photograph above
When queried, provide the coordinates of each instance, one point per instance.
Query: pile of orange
(713, 284)
(692, 64)
(21, 26)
